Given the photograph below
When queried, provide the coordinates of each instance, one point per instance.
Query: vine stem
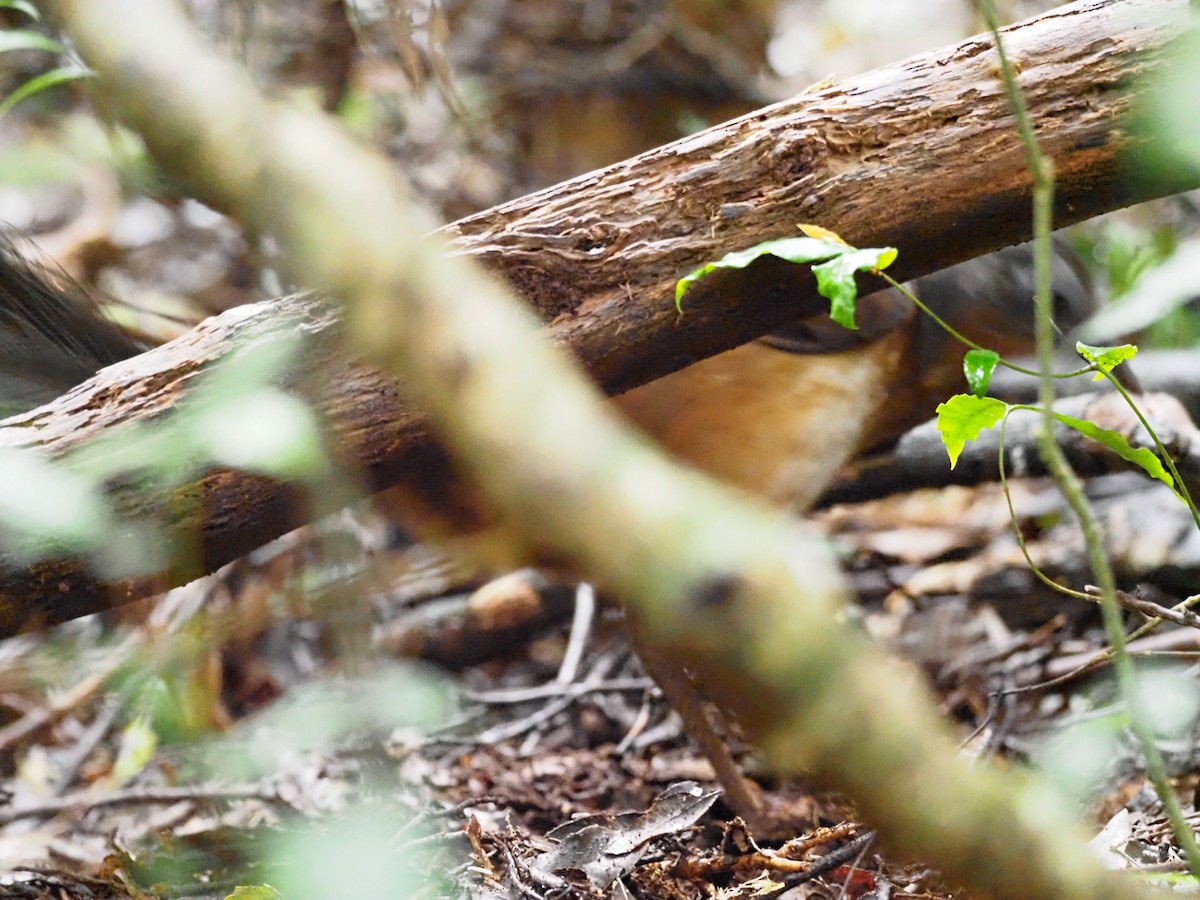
(963, 339)
(1181, 487)
(1042, 170)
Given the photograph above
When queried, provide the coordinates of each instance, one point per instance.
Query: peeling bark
(922, 155)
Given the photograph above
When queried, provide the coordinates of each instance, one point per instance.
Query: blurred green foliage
(19, 40)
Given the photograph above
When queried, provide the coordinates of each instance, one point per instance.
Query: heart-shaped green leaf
(978, 366)
(1106, 358)
(962, 417)
(835, 276)
(1115, 442)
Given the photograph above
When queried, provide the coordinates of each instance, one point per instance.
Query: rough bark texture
(922, 155)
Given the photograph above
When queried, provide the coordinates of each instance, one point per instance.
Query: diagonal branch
(746, 595)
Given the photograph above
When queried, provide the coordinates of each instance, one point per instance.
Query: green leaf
(43, 82)
(1116, 443)
(978, 366)
(161, 453)
(20, 39)
(835, 278)
(1106, 358)
(1166, 120)
(801, 249)
(254, 892)
(46, 507)
(22, 6)
(962, 417)
(138, 744)
(266, 431)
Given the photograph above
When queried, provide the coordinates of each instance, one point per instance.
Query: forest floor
(343, 709)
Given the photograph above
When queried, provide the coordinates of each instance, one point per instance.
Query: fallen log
(922, 154)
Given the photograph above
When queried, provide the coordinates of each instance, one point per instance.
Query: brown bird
(779, 416)
(52, 336)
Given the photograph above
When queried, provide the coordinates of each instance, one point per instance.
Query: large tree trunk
(922, 155)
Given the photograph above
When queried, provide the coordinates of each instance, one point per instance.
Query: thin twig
(581, 629)
(1042, 170)
(76, 696)
(82, 749)
(838, 857)
(554, 689)
(86, 802)
(1178, 615)
(517, 727)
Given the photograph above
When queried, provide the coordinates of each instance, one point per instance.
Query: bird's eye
(1062, 309)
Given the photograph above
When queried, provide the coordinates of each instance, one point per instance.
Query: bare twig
(1068, 482)
(86, 802)
(581, 629)
(80, 693)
